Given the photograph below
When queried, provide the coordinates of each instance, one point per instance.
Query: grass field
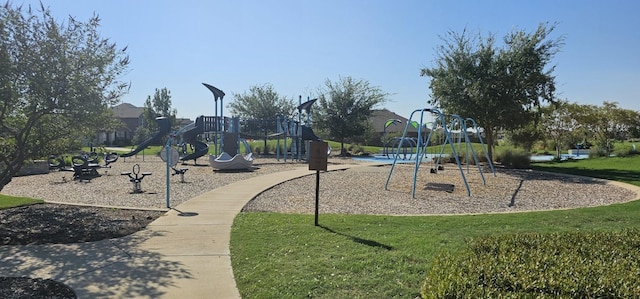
(360, 256)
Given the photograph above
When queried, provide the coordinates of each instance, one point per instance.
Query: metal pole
(299, 131)
(317, 195)
(168, 155)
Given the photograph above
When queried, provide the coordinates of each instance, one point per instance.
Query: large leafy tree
(501, 88)
(259, 108)
(57, 82)
(558, 123)
(158, 106)
(607, 123)
(345, 108)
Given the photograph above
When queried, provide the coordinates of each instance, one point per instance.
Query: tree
(526, 136)
(499, 88)
(259, 107)
(158, 106)
(57, 82)
(607, 123)
(345, 108)
(558, 122)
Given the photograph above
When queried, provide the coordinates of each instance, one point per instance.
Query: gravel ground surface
(354, 191)
(362, 191)
(115, 190)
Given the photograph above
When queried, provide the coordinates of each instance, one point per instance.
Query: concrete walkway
(183, 254)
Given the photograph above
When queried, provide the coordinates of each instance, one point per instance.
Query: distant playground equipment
(190, 137)
(164, 127)
(298, 130)
(225, 162)
(448, 128)
(406, 145)
(231, 142)
(136, 177)
(84, 165)
(385, 142)
(224, 133)
(172, 159)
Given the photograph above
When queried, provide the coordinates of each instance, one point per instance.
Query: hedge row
(561, 265)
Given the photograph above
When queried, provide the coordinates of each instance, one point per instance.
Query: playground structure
(440, 123)
(136, 177)
(190, 137)
(164, 127)
(407, 145)
(385, 142)
(84, 165)
(172, 158)
(298, 130)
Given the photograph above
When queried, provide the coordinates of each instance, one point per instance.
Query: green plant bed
(557, 265)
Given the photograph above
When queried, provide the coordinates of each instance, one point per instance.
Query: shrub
(482, 157)
(514, 158)
(560, 265)
(623, 152)
(597, 151)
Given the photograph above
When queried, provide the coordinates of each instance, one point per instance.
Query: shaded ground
(61, 224)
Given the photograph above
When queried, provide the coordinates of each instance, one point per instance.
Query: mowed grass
(7, 201)
(623, 169)
(361, 256)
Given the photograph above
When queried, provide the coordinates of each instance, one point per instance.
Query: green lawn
(360, 256)
(7, 201)
(623, 169)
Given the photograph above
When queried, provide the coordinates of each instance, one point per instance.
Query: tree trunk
(490, 141)
(6, 174)
(4, 180)
(265, 143)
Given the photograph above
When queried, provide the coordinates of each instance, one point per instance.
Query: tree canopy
(345, 108)
(259, 108)
(57, 82)
(261, 102)
(501, 88)
(158, 106)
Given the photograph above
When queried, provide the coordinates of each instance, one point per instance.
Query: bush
(597, 152)
(482, 157)
(560, 265)
(623, 152)
(514, 159)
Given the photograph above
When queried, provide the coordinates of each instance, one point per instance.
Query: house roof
(380, 117)
(126, 110)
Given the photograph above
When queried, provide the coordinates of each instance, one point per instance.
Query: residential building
(131, 118)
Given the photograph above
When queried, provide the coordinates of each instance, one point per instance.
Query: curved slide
(200, 149)
(163, 129)
(189, 136)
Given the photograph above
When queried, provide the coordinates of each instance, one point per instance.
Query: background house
(131, 118)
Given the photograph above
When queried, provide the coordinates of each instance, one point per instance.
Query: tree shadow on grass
(358, 240)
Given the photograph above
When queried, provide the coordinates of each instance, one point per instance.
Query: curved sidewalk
(183, 254)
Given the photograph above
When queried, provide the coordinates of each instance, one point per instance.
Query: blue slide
(190, 136)
(163, 129)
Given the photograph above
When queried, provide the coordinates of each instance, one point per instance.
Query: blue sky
(297, 45)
